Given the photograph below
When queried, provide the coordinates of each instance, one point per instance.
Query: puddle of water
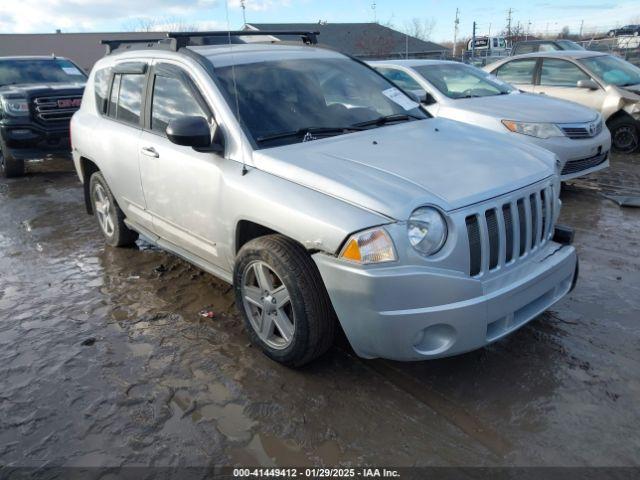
(230, 420)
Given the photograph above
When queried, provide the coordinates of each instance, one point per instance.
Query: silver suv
(325, 195)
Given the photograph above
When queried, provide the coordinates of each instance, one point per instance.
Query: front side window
(456, 80)
(613, 70)
(279, 99)
(400, 78)
(560, 73)
(35, 70)
(126, 97)
(172, 99)
(517, 71)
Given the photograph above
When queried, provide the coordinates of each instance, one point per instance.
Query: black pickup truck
(38, 96)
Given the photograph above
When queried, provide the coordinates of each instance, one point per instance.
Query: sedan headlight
(538, 130)
(15, 106)
(370, 246)
(427, 230)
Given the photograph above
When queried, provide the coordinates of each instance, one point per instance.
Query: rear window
(126, 97)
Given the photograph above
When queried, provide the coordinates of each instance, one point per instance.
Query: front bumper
(397, 312)
(28, 140)
(577, 156)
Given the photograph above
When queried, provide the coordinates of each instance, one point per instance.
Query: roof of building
(360, 39)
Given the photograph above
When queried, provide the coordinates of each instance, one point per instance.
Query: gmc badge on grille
(69, 102)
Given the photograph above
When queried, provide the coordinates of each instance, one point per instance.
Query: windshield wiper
(397, 117)
(308, 132)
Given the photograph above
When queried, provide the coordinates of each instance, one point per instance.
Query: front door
(519, 73)
(559, 78)
(181, 185)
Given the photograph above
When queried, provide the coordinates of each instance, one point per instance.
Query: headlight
(427, 230)
(539, 130)
(369, 246)
(15, 106)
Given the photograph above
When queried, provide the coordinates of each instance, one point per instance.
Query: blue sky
(115, 15)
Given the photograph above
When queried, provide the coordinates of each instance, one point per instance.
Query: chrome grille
(504, 233)
(56, 108)
(582, 130)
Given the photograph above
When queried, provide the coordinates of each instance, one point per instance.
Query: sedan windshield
(613, 70)
(462, 81)
(38, 70)
(289, 101)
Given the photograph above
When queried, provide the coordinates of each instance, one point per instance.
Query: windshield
(462, 81)
(278, 100)
(613, 70)
(34, 70)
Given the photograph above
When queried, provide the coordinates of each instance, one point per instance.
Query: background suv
(38, 96)
(324, 194)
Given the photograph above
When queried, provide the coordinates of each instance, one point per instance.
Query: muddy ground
(104, 359)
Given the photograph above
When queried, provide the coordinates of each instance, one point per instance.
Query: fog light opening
(435, 339)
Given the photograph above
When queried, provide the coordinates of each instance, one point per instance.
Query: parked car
(597, 80)
(626, 30)
(467, 94)
(38, 95)
(497, 45)
(532, 46)
(317, 188)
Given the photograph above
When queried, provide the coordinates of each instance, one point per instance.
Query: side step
(180, 252)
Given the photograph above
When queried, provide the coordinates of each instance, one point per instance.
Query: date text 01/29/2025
(315, 473)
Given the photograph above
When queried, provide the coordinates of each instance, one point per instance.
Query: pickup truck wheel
(625, 137)
(10, 167)
(283, 301)
(110, 217)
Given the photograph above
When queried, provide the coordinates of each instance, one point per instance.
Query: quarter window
(126, 97)
(172, 99)
(560, 73)
(101, 88)
(517, 71)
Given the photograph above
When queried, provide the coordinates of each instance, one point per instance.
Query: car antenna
(235, 87)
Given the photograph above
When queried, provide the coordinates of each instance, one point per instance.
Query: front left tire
(10, 167)
(625, 135)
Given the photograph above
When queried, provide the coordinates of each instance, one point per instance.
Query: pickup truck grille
(56, 108)
(582, 130)
(504, 233)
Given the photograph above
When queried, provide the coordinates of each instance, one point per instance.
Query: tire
(286, 264)
(107, 212)
(625, 137)
(10, 167)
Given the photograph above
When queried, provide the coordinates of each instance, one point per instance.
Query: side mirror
(428, 99)
(590, 84)
(190, 132)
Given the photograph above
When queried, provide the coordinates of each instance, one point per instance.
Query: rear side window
(560, 73)
(126, 97)
(172, 99)
(101, 88)
(517, 71)
(400, 78)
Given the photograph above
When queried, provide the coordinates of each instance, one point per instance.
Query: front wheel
(283, 301)
(10, 167)
(624, 135)
(110, 217)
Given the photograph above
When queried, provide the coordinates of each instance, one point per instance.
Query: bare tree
(565, 32)
(160, 24)
(419, 28)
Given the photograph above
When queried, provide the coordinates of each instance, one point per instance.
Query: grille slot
(575, 166)
(506, 232)
(56, 108)
(582, 130)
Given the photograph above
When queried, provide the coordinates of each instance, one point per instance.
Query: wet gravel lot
(105, 360)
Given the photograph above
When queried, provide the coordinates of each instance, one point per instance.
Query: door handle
(150, 152)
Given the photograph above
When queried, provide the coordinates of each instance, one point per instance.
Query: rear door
(520, 73)
(181, 185)
(119, 96)
(559, 78)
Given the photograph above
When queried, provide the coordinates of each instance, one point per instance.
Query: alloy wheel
(104, 210)
(268, 305)
(625, 139)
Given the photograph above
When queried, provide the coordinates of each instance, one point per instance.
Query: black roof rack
(177, 40)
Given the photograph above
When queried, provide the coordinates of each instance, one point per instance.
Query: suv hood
(394, 169)
(31, 89)
(525, 107)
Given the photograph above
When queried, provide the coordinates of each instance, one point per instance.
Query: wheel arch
(87, 168)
